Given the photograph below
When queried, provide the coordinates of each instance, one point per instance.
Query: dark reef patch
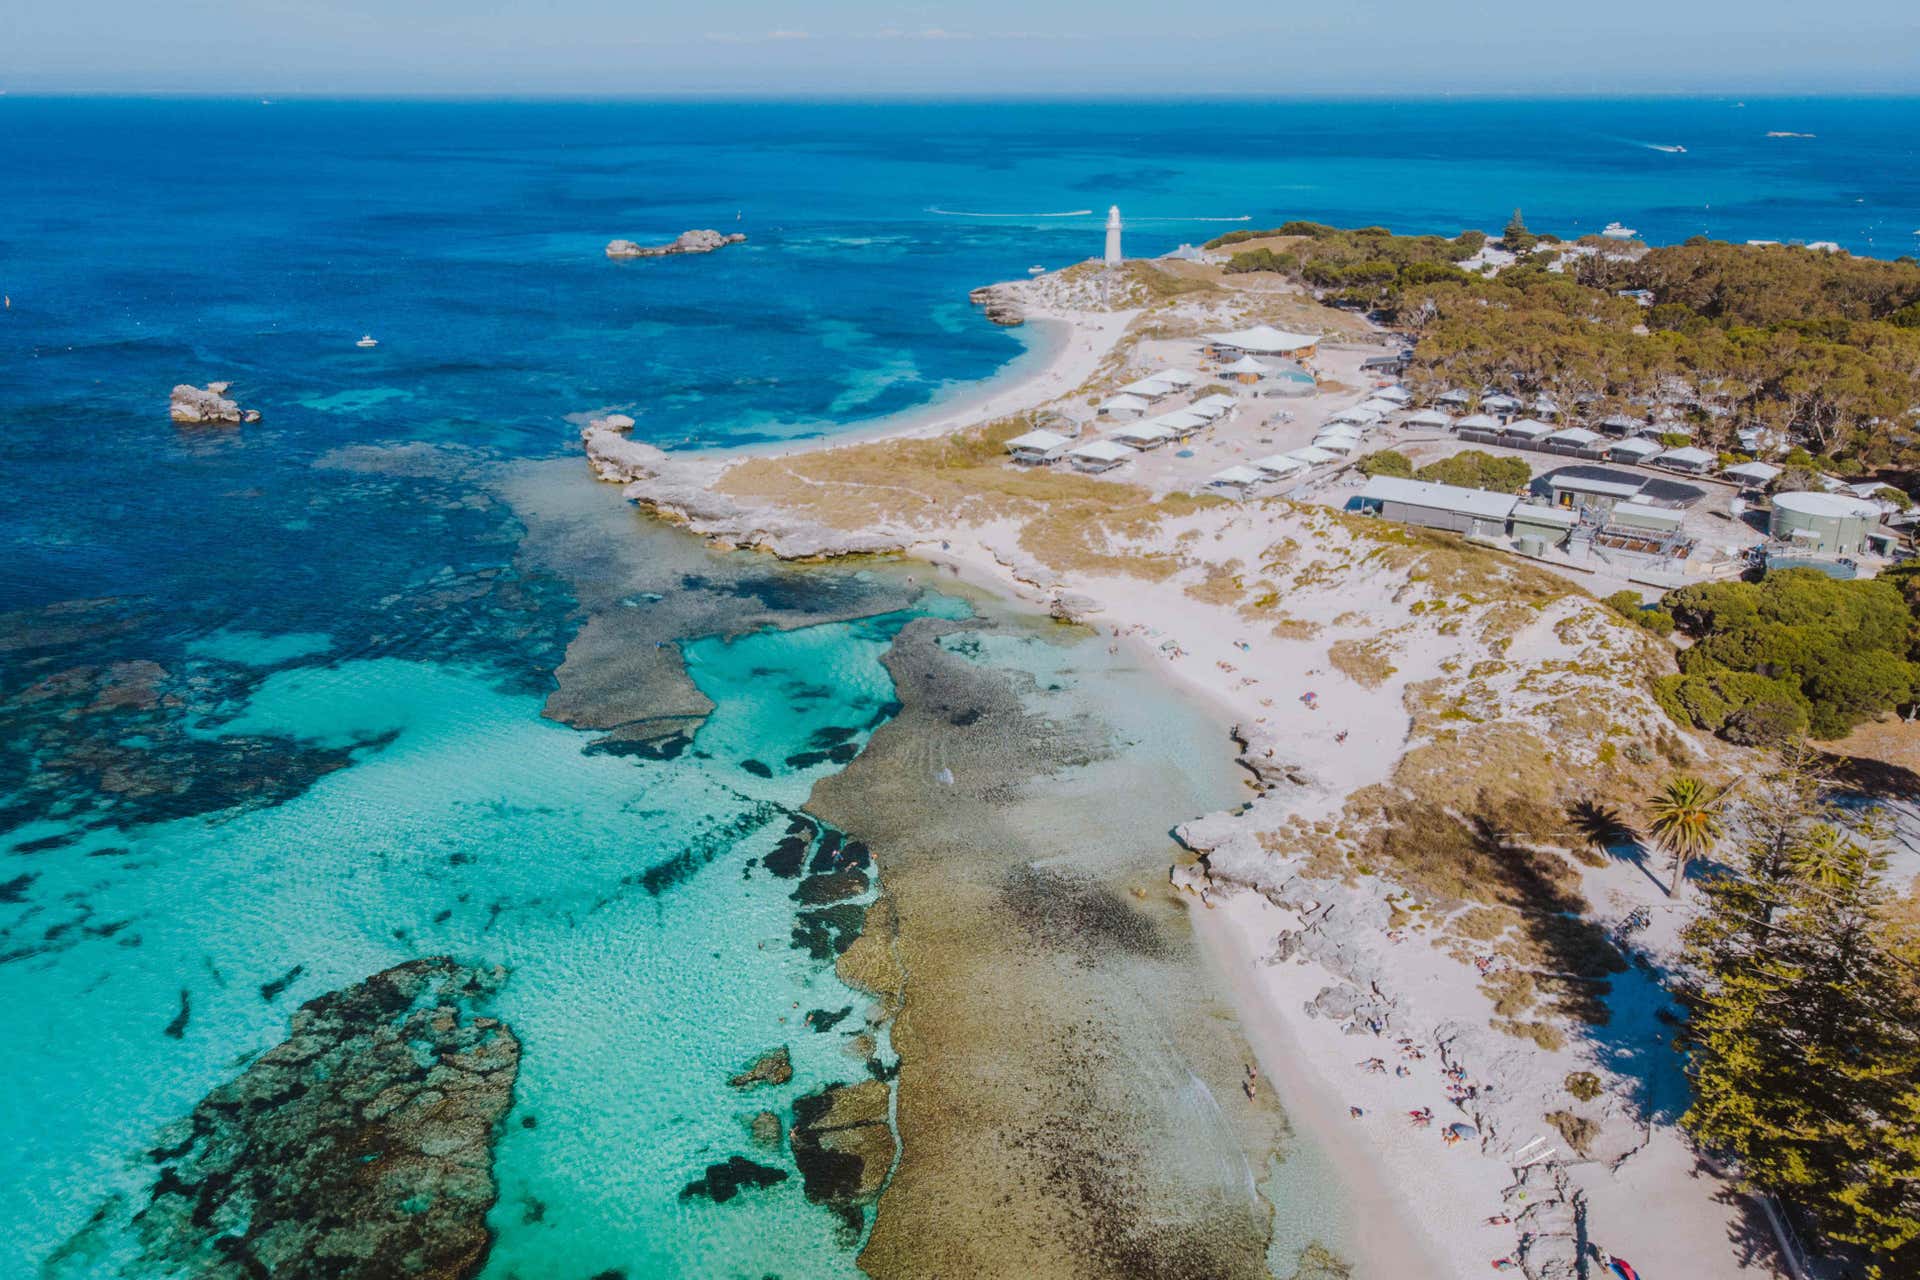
(758, 768)
(723, 1181)
(831, 886)
(827, 931)
(1079, 915)
(270, 990)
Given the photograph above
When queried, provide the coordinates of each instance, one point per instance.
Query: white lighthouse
(1113, 236)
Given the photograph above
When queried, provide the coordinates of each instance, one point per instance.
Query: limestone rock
(362, 1145)
(766, 1130)
(843, 1143)
(685, 242)
(195, 406)
(1000, 306)
(775, 1066)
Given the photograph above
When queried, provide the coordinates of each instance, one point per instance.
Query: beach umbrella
(1461, 1129)
(1623, 1268)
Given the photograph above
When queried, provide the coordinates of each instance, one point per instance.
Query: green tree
(1516, 237)
(1685, 821)
(1387, 462)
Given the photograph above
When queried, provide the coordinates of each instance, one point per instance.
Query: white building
(1098, 455)
(1036, 447)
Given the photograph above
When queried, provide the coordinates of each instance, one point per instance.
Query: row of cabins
(1042, 447)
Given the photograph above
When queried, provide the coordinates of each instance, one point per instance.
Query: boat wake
(1245, 217)
(964, 213)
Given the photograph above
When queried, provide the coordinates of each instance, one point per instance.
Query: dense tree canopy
(1795, 652)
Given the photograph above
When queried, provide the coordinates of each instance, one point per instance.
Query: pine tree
(1805, 1036)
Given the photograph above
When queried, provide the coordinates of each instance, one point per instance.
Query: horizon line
(231, 94)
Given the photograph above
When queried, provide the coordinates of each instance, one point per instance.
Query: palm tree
(1686, 822)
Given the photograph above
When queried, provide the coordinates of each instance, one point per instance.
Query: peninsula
(1345, 487)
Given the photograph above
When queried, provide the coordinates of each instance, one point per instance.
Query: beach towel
(1623, 1269)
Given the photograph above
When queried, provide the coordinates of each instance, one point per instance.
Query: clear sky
(991, 47)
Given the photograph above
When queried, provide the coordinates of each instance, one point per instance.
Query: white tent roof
(1500, 401)
(1176, 378)
(1429, 418)
(1183, 420)
(1481, 503)
(1380, 406)
(1755, 472)
(1638, 446)
(1546, 404)
(1311, 456)
(1264, 339)
(1531, 428)
(1479, 422)
(1124, 403)
(1238, 476)
(1246, 364)
(1150, 388)
(1280, 464)
(1578, 436)
(1152, 431)
(1214, 401)
(1397, 395)
(1688, 457)
(1357, 414)
(1205, 410)
(1037, 441)
(1101, 451)
(1454, 395)
(1341, 431)
(1336, 444)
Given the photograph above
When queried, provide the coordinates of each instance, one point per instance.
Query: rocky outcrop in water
(844, 1144)
(680, 491)
(1000, 306)
(208, 406)
(685, 242)
(775, 1066)
(361, 1145)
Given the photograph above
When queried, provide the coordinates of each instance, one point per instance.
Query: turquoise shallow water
(476, 828)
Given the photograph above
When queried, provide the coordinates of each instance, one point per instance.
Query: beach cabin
(1036, 448)
(1182, 423)
(1179, 379)
(1214, 406)
(1500, 403)
(1356, 415)
(1428, 418)
(1247, 370)
(1619, 424)
(1754, 475)
(1436, 506)
(1150, 433)
(1546, 407)
(1123, 407)
(1397, 396)
(1524, 431)
(1393, 363)
(1148, 389)
(1379, 406)
(1098, 455)
(1571, 440)
(1694, 462)
(1312, 455)
(1481, 427)
(1342, 445)
(1263, 340)
(1636, 449)
(1237, 481)
(1279, 465)
(1455, 397)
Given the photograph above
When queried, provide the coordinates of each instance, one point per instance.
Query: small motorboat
(1036, 271)
(1614, 231)
(367, 340)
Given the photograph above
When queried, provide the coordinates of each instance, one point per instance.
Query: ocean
(386, 675)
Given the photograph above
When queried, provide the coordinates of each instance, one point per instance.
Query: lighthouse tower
(1113, 236)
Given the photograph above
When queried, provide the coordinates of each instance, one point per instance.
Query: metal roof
(1479, 503)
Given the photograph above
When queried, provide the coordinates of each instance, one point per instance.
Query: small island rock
(685, 242)
(193, 406)
(775, 1066)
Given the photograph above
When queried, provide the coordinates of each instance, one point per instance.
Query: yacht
(1614, 231)
(367, 340)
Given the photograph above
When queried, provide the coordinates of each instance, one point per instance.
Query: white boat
(367, 340)
(1036, 271)
(1672, 150)
(1614, 231)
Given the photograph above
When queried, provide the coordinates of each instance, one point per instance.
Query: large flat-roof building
(1437, 506)
(1598, 489)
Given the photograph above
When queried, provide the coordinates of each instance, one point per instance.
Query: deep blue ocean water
(272, 697)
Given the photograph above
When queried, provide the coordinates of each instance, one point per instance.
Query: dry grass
(1547, 1036)
(1220, 585)
(1363, 661)
(1578, 1131)
(1071, 521)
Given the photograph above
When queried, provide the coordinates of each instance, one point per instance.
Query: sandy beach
(1363, 669)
